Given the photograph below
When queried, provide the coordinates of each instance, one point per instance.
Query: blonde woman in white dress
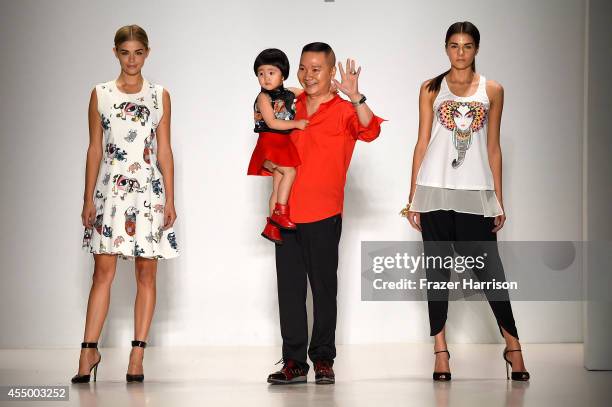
(128, 204)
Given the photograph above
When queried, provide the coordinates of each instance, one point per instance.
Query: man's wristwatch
(361, 101)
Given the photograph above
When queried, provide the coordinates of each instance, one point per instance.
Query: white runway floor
(366, 375)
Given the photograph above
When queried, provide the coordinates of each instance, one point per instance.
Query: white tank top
(456, 156)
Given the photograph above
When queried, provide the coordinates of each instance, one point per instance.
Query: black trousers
(310, 252)
(469, 235)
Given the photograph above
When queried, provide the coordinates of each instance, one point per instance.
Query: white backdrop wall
(222, 290)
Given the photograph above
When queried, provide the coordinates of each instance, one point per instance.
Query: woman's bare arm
(426, 114)
(495, 92)
(92, 165)
(165, 159)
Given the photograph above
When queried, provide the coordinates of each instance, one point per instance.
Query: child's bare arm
(263, 104)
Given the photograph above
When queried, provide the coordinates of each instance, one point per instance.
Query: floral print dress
(129, 194)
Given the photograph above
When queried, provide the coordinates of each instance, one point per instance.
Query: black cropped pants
(447, 231)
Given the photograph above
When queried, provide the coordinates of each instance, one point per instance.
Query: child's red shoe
(280, 217)
(272, 233)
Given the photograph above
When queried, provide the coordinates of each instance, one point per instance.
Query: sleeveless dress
(129, 193)
(455, 173)
(274, 145)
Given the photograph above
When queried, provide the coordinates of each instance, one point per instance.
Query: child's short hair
(274, 57)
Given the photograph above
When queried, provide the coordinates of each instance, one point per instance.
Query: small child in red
(274, 153)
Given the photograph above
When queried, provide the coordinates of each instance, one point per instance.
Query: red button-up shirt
(325, 148)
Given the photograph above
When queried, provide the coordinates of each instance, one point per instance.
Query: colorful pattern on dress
(138, 113)
(463, 119)
(129, 197)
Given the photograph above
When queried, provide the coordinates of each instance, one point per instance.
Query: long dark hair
(457, 28)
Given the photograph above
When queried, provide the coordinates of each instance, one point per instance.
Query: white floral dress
(129, 195)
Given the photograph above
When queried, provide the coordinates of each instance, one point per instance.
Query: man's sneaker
(291, 373)
(324, 373)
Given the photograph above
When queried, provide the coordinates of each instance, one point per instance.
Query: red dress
(274, 145)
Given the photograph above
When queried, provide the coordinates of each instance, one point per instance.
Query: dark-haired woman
(128, 204)
(455, 196)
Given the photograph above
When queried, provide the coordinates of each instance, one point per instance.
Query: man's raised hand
(349, 80)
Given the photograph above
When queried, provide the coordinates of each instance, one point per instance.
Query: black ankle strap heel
(85, 378)
(517, 376)
(136, 377)
(442, 376)
(89, 345)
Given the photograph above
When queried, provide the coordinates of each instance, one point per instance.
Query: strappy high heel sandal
(442, 376)
(518, 376)
(136, 377)
(84, 378)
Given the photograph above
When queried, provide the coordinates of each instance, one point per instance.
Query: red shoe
(291, 373)
(280, 217)
(272, 233)
(324, 372)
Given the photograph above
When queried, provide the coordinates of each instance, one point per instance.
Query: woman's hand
(349, 84)
(499, 222)
(169, 215)
(88, 215)
(415, 220)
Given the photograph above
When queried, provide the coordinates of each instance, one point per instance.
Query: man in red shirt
(325, 147)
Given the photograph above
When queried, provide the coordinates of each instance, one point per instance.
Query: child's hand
(301, 124)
